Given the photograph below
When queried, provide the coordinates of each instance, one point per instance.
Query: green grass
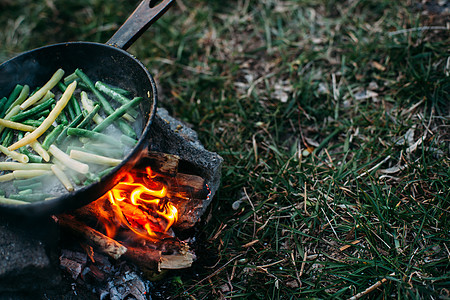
(317, 108)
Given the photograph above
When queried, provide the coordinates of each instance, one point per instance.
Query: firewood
(176, 261)
(144, 257)
(162, 163)
(187, 186)
(103, 243)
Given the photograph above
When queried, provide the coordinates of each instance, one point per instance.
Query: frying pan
(109, 63)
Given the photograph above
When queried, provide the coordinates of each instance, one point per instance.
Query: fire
(140, 203)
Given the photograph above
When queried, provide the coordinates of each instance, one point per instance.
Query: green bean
(69, 78)
(105, 151)
(92, 135)
(56, 77)
(126, 140)
(75, 178)
(24, 183)
(35, 123)
(91, 178)
(25, 192)
(73, 102)
(33, 111)
(117, 89)
(105, 172)
(4, 133)
(2, 103)
(123, 126)
(33, 158)
(9, 135)
(13, 96)
(22, 97)
(72, 124)
(115, 95)
(32, 186)
(52, 136)
(117, 114)
(61, 119)
(89, 117)
(43, 114)
(69, 106)
(20, 135)
(31, 197)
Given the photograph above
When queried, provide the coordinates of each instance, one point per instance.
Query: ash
(96, 276)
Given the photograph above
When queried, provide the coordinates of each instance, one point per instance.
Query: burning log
(187, 186)
(103, 243)
(144, 257)
(162, 163)
(176, 261)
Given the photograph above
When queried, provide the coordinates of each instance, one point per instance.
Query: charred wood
(97, 239)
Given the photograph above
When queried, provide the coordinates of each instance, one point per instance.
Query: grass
(333, 121)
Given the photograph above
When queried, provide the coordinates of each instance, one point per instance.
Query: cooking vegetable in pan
(77, 136)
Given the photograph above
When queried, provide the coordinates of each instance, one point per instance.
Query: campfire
(137, 217)
(138, 222)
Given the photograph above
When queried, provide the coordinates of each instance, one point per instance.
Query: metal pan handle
(138, 22)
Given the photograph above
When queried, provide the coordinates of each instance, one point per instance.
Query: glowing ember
(140, 204)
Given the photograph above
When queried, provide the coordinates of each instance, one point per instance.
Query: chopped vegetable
(14, 155)
(94, 158)
(35, 110)
(12, 97)
(7, 177)
(117, 114)
(4, 200)
(37, 147)
(15, 125)
(24, 174)
(49, 120)
(123, 126)
(22, 96)
(89, 106)
(62, 177)
(12, 166)
(67, 161)
(42, 91)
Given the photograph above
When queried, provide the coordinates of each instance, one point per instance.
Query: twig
(328, 220)
(424, 28)
(349, 245)
(370, 288)
(271, 264)
(295, 267)
(374, 167)
(210, 275)
(302, 266)
(254, 213)
(305, 196)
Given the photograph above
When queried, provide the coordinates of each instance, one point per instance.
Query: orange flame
(141, 204)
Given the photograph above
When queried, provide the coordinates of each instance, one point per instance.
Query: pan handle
(138, 22)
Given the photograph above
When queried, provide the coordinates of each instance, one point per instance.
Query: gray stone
(172, 136)
(24, 263)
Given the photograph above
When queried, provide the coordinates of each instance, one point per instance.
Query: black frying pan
(106, 62)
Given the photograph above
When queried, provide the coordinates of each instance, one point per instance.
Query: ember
(140, 203)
